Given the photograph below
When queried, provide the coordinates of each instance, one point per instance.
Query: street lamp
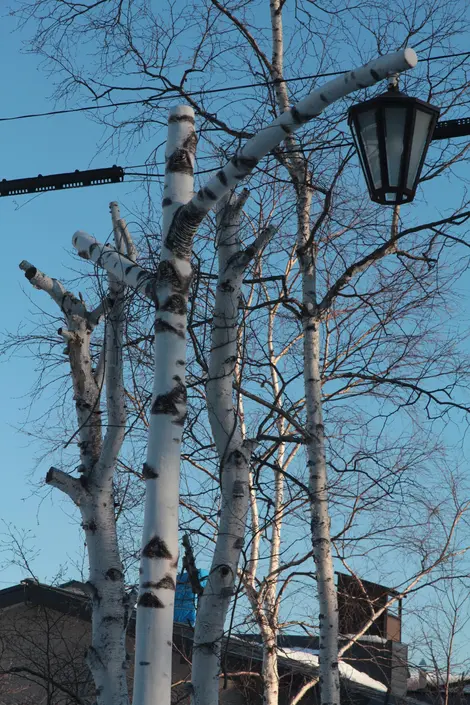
(392, 134)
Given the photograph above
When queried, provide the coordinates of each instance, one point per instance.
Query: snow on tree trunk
(159, 558)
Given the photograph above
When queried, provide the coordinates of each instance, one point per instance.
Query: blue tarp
(185, 599)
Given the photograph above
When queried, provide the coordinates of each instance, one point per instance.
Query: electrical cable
(332, 145)
(209, 91)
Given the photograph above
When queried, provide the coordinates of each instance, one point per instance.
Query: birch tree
(99, 445)
(233, 449)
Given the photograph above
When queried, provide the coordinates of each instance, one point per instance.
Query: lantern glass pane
(395, 118)
(368, 136)
(420, 136)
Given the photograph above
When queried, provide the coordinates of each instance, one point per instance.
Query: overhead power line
(115, 174)
(172, 92)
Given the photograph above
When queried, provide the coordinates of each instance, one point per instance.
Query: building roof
(293, 655)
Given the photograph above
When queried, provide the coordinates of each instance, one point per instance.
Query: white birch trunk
(234, 453)
(159, 558)
(234, 460)
(107, 655)
(320, 520)
(93, 493)
(270, 630)
(318, 481)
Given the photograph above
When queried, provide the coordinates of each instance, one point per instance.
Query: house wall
(42, 661)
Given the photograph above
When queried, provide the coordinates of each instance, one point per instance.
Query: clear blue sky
(39, 229)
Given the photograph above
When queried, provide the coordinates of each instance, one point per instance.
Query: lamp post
(392, 133)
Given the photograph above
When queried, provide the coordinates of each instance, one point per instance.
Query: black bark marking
(237, 457)
(167, 403)
(128, 269)
(190, 143)
(180, 362)
(324, 99)
(245, 164)
(148, 473)
(109, 618)
(239, 543)
(186, 221)
(286, 129)
(84, 254)
(90, 526)
(144, 663)
(114, 574)
(176, 303)
(222, 178)
(181, 118)
(296, 116)
(179, 162)
(226, 287)
(210, 194)
(149, 600)
(30, 273)
(156, 548)
(166, 202)
(374, 74)
(237, 489)
(166, 583)
(162, 326)
(168, 274)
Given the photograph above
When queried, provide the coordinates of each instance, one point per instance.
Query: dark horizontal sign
(54, 182)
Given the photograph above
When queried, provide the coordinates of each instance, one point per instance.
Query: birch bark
(159, 557)
(233, 451)
(318, 481)
(93, 492)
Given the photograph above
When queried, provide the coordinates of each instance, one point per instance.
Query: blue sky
(40, 229)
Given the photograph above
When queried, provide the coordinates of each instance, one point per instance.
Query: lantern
(392, 134)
